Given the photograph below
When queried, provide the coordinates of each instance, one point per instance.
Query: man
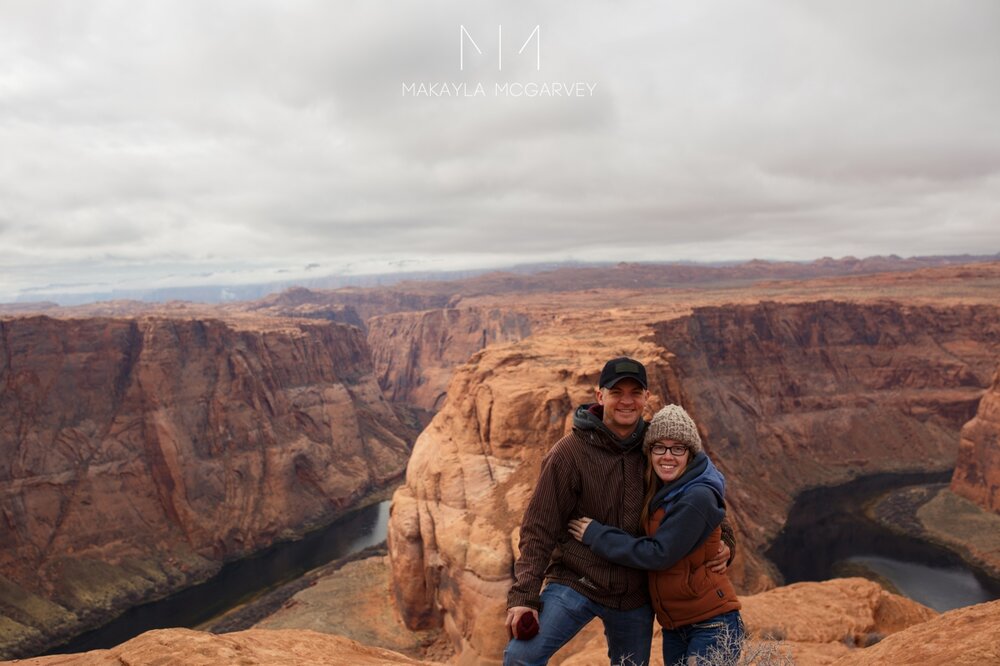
(596, 471)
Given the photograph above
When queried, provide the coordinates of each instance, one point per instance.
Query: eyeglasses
(676, 450)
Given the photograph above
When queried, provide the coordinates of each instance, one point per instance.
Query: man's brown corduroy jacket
(592, 473)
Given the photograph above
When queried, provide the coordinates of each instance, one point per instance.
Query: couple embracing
(627, 522)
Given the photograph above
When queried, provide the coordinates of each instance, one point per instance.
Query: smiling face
(668, 466)
(623, 404)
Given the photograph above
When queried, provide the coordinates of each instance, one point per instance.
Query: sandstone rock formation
(962, 637)
(977, 470)
(818, 621)
(788, 396)
(469, 479)
(184, 647)
(812, 623)
(138, 455)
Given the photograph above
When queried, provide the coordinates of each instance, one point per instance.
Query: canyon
(414, 353)
(795, 396)
(138, 455)
(201, 434)
(788, 395)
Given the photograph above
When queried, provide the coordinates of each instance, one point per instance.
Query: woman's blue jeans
(565, 612)
(717, 636)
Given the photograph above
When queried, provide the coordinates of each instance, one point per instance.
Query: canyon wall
(977, 471)
(416, 353)
(787, 396)
(138, 455)
(792, 396)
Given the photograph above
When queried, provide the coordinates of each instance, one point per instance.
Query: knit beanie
(672, 422)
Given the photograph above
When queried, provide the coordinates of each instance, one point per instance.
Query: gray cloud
(149, 141)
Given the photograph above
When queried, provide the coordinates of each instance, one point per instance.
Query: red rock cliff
(415, 353)
(787, 397)
(791, 396)
(977, 471)
(137, 455)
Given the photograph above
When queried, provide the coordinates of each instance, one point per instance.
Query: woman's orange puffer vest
(689, 592)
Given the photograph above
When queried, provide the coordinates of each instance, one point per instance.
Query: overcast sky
(187, 142)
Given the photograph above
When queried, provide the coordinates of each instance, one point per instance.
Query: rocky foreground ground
(842, 622)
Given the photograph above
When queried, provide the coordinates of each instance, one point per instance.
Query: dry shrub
(734, 651)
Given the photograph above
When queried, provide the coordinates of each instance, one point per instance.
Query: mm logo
(464, 35)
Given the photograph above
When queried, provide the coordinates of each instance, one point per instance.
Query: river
(242, 580)
(828, 528)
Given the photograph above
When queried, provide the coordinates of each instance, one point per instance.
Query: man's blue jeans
(565, 612)
(716, 640)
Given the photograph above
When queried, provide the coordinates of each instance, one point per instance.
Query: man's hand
(718, 563)
(578, 526)
(514, 615)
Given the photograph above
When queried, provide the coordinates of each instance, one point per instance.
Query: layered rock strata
(138, 455)
(977, 470)
(415, 353)
(792, 396)
(787, 397)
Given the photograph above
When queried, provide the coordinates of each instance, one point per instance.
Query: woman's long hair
(653, 484)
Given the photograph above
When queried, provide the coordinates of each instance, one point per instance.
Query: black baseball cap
(621, 368)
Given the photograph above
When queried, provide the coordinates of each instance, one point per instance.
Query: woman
(685, 494)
